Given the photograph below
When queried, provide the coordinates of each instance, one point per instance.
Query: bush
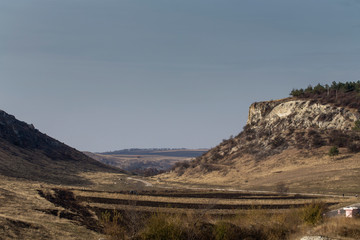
(334, 151)
(312, 214)
(357, 126)
(354, 147)
(163, 227)
(338, 138)
(111, 225)
(225, 231)
(281, 188)
(277, 141)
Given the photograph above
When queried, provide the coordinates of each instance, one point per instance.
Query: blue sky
(113, 74)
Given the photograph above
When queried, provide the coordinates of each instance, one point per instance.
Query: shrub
(316, 140)
(338, 138)
(357, 126)
(207, 167)
(312, 214)
(277, 141)
(354, 147)
(163, 227)
(334, 151)
(111, 225)
(281, 188)
(225, 231)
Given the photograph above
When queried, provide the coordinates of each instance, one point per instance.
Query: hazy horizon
(109, 75)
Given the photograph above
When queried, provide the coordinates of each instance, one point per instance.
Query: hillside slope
(286, 140)
(27, 153)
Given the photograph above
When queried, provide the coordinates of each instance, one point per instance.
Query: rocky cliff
(301, 114)
(25, 152)
(288, 129)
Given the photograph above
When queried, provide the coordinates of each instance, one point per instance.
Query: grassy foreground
(251, 224)
(32, 210)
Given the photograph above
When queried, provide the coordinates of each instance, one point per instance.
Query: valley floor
(33, 210)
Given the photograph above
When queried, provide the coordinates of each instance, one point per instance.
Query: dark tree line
(319, 89)
(341, 94)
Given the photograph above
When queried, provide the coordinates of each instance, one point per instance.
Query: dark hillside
(25, 152)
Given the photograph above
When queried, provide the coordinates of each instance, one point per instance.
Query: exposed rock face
(25, 152)
(302, 114)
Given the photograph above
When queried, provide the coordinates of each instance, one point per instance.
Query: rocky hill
(27, 153)
(280, 137)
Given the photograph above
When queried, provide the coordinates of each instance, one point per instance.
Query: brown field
(33, 210)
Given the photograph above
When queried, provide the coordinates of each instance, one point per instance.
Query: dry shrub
(226, 231)
(164, 226)
(277, 141)
(112, 226)
(312, 214)
(281, 188)
(255, 223)
(354, 147)
(264, 224)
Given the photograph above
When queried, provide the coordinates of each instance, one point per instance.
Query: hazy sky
(110, 74)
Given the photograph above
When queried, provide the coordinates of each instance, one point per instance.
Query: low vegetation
(251, 224)
(334, 151)
(187, 214)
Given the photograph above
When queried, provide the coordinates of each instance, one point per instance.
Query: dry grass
(23, 214)
(27, 215)
(208, 201)
(300, 170)
(340, 228)
(252, 224)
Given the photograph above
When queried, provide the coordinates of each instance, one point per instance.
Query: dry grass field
(24, 214)
(117, 206)
(301, 171)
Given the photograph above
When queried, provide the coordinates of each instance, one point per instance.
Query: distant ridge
(27, 153)
(170, 152)
(147, 161)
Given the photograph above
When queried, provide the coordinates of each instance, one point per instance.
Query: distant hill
(167, 152)
(27, 153)
(146, 161)
(287, 140)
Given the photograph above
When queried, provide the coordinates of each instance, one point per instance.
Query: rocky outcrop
(275, 126)
(302, 114)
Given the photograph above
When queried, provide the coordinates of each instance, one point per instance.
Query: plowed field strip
(170, 200)
(98, 207)
(186, 205)
(217, 195)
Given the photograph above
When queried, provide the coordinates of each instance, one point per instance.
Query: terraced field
(177, 201)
